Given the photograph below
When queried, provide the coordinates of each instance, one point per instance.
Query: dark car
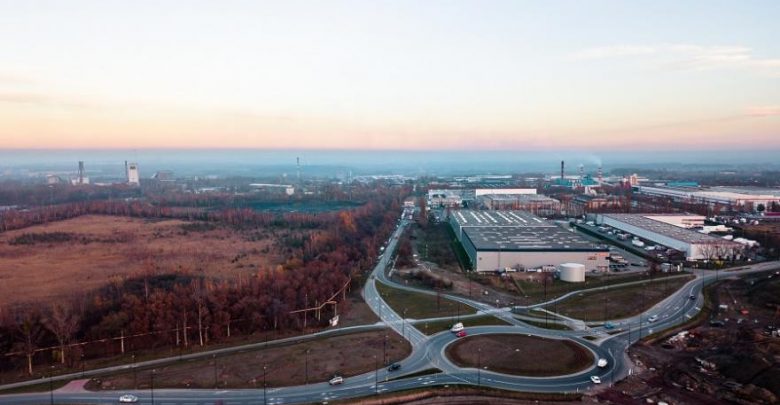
(394, 367)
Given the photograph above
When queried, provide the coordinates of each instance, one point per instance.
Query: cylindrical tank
(572, 272)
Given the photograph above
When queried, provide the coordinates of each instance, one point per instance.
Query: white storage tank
(572, 272)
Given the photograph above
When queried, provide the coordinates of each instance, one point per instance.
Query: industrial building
(534, 203)
(131, 171)
(749, 199)
(500, 240)
(695, 245)
(445, 198)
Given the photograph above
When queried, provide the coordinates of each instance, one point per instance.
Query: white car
(602, 363)
(336, 380)
(128, 399)
(652, 318)
(457, 327)
(595, 379)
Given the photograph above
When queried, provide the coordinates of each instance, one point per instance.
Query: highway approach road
(428, 352)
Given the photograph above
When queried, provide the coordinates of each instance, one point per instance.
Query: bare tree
(63, 321)
(29, 327)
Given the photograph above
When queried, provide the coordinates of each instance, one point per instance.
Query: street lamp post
(214, 357)
(135, 373)
(307, 366)
(152, 384)
(376, 376)
(384, 348)
(479, 366)
(51, 385)
(403, 323)
(265, 367)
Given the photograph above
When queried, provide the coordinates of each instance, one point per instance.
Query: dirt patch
(100, 249)
(285, 365)
(512, 354)
(729, 357)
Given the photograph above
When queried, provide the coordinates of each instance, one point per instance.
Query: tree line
(180, 309)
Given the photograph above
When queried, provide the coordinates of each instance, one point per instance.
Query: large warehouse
(652, 227)
(738, 197)
(497, 240)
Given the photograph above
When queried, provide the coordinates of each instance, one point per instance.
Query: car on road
(602, 363)
(457, 327)
(652, 318)
(691, 297)
(609, 325)
(595, 379)
(394, 367)
(128, 399)
(336, 380)
(461, 334)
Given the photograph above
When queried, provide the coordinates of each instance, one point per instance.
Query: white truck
(457, 327)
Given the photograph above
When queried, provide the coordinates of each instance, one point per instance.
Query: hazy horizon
(325, 163)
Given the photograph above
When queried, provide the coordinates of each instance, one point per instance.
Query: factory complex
(672, 231)
(519, 240)
(744, 197)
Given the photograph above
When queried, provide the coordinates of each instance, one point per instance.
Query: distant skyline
(399, 75)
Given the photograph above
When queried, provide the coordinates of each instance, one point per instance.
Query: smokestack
(81, 172)
(298, 163)
(561, 169)
(127, 173)
(600, 174)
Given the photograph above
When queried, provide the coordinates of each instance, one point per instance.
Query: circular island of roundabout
(520, 355)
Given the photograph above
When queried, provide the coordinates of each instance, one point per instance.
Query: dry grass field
(510, 354)
(287, 365)
(102, 249)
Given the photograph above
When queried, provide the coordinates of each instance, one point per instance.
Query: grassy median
(422, 306)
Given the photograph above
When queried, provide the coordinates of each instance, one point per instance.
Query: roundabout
(521, 355)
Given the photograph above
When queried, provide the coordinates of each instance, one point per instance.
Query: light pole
(384, 348)
(135, 373)
(214, 357)
(403, 324)
(307, 366)
(265, 367)
(152, 384)
(376, 376)
(51, 385)
(479, 366)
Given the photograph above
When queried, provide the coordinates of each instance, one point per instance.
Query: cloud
(46, 100)
(763, 111)
(686, 56)
(23, 98)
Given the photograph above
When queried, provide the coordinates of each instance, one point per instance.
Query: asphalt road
(428, 352)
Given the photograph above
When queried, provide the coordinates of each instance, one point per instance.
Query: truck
(457, 327)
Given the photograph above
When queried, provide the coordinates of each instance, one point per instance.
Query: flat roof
(644, 221)
(472, 218)
(518, 197)
(550, 238)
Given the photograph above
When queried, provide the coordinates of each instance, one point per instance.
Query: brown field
(510, 354)
(286, 365)
(119, 247)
